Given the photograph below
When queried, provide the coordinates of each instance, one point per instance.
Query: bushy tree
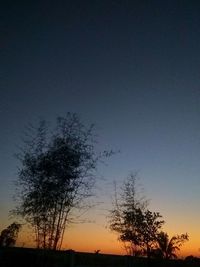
(56, 176)
(9, 235)
(133, 221)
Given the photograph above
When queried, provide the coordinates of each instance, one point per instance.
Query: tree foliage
(56, 176)
(167, 247)
(133, 221)
(9, 235)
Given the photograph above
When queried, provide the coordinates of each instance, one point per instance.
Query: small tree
(9, 235)
(56, 176)
(167, 247)
(128, 201)
(131, 219)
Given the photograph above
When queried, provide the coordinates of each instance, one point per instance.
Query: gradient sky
(130, 67)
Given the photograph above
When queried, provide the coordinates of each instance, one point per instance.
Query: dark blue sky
(131, 67)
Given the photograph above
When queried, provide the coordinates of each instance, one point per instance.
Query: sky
(130, 67)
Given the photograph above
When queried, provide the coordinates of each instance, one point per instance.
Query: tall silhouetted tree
(131, 219)
(56, 176)
(9, 235)
(167, 247)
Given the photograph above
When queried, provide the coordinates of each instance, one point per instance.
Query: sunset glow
(131, 68)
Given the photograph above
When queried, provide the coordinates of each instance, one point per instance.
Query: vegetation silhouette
(24, 257)
(9, 235)
(57, 175)
(167, 247)
(139, 228)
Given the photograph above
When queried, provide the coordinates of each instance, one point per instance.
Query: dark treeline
(23, 257)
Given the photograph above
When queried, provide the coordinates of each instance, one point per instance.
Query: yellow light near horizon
(89, 237)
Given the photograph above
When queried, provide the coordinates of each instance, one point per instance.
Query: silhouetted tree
(9, 235)
(149, 225)
(167, 247)
(56, 176)
(131, 219)
(129, 200)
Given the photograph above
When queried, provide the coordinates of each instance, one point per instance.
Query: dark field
(24, 257)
